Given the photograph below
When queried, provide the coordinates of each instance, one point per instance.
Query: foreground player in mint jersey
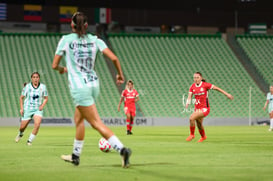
(269, 102)
(200, 90)
(36, 97)
(80, 50)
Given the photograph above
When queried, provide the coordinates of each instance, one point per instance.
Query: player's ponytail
(203, 80)
(79, 23)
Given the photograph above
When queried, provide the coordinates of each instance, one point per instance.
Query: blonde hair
(127, 84)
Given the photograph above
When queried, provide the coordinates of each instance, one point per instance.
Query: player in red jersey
(200, 90)
(130, 97)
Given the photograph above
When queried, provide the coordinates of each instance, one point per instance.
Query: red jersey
(200, 93)
(129, 97)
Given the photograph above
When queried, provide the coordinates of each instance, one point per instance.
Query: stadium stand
(22, 54)
(259, 50)
(161, 66)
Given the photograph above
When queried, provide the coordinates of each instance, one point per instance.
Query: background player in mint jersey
(36, 97)
(130, 97)
(269, 102)
(200, 90)
(79, 50)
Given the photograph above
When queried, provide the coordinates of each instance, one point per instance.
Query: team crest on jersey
(201, 89)
(204, 109)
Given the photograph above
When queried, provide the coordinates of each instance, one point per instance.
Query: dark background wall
(219, 13)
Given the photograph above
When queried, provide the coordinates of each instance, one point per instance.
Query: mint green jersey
(269, 97)
(34, 97)
(80, 55)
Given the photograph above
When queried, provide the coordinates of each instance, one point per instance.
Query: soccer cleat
(189, 138)
(202, 139)
(129, 132)
(18, 137)
(125, 154)
(72, 159)
(29, 143)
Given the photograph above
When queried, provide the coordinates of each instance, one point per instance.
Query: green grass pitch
(159, 154)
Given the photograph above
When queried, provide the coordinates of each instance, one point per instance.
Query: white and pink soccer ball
(104, 145)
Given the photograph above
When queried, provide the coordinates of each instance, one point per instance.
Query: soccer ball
(104, 145)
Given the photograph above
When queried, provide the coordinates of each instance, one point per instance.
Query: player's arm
(137, 98)
(120, 101)
(21, 105)
(56, 66)
(188, 100)
(41, 107)
(223, 92)
(265, 105)
(115, 60)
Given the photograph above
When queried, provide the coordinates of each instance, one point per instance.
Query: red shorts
(205, 110)
(130, 110)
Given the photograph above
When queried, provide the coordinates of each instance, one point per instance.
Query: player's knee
(192, 119)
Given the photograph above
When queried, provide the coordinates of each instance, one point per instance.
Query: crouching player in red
(130, 97)
(200, 90)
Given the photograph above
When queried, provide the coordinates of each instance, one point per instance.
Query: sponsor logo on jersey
(35, 97)
(80, 45)
(201, 93)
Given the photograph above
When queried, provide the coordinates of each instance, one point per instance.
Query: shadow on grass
(152, 174)
(134, 165)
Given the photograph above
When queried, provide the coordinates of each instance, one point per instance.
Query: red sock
(192, 129)
(202, 132)
(128, 124)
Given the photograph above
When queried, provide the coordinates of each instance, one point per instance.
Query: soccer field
(159, 154)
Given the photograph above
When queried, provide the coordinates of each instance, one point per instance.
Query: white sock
(77, 147)
(115, 143)
(271, 123)
(31, 137)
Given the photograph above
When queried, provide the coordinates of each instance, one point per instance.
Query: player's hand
(21, 112)
(264, 108)
(230, 96)
(118, 109)
(63, 70)
(41, 108)
(120, 79)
